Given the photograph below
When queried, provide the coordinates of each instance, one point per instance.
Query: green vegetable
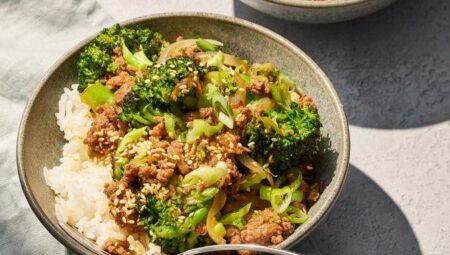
(151, 95)
(280, 199)
(95, 60)
(236, 218)
(213, 97)
(295, 215)
(92, 65)
(206, 46)
(209, 175)
(97, 94)
(297, 196)
(264, 192)
(223, 110)
(220, 230)
(120, 161)
(132, 60)
(170, 121)
(205, 195)
(172, 235)
(216, 60)
(294, 139)
(201, 127)
(142, 58)
(251, 179)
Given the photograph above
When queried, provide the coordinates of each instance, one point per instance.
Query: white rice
(78, 181)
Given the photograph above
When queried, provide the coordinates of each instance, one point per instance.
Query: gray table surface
(391, 70)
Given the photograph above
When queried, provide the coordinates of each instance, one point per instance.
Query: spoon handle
(235, 247)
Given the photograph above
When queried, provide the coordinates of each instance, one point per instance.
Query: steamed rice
(78, 181)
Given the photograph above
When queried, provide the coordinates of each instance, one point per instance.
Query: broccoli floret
(158, 218)
(96, 59)
(92, 64)
(151, 95)
(109, 38)
(296, 139)
(172, 246)
(143, 39)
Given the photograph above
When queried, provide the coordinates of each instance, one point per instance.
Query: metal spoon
(235, 247)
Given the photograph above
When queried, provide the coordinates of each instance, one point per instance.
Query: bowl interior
(40, 141)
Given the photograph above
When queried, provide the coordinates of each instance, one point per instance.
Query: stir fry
(205, 147)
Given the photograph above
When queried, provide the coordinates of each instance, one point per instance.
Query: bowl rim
(342, 167)
(317, 4)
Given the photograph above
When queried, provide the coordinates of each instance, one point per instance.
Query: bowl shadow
(389, 68)
(364, 220)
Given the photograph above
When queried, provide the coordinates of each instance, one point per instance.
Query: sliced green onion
(227, 121)
(297, 196)
(206, 46)
(170, 120)
(236, 218)
(221, 105)
(298, 181)
(264, 192)
(280, 199)
(246, 78)
(209, 175)
(97, 94)
(202, 127)
(220, 230)
(295, 215)
(192, 221)
(216, 60)
(130, 137)
(205, 195)
(169, 124)
(251, 180)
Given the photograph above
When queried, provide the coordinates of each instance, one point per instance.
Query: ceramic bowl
(40, 141)
(318, 11)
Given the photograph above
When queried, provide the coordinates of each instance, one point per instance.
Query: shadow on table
(391, 69)
(364, 220)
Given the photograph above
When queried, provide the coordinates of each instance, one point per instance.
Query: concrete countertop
(391, 70)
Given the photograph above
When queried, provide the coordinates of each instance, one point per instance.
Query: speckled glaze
(40, 141)
(320, 11)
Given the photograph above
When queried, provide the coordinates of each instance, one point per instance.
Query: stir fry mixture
(206, 148)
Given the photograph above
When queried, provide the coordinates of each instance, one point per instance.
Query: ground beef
(117, 247)
(262, 227)
(260, 86)
(312, 192)
(123, 78)
(229, 142)
(206, 113)
(243, 116)
(304, 101)
(160, 174)
(103, 136)
(176, 151)
(159, 129)
(201, 229)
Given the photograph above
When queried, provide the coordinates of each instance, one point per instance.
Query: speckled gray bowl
(40, 141)
(318, 11)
